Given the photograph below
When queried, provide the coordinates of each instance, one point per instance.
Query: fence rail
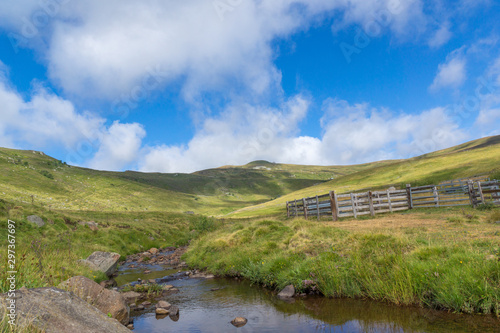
(461, 192)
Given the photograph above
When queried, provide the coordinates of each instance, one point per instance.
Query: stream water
(210, 305)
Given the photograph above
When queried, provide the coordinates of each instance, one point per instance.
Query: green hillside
(479, 157)
(257, 188)
(31, 175)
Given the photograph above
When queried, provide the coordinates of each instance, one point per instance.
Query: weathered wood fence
(460, 192)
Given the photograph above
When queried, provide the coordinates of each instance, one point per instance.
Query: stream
(208, 305)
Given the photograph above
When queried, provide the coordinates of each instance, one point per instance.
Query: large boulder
(37, 220)
(287, 292)
(108, 301)
(59, 311)
(105, 262)
(131, 296)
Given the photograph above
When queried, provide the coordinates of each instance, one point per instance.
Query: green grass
(28, 176)
(47, 256)
(402, 258)
(480, 157)
(422, 259)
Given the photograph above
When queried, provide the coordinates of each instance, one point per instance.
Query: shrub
(494, 216)
(486, 206)
(203, 224)
(46, 174)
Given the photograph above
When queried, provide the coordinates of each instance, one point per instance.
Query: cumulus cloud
(488, 118)
(360, 133)
(452, 73)
(119, 147)
(46, 120)
(106, 48)
(242, 133)
(355, 133)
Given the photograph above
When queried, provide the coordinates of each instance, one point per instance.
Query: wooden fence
(461, 192)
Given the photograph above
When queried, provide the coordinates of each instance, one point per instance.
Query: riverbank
(47, 255)
(438, 258)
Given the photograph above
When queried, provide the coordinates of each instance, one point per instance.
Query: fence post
(333, 205)
(370, 201)
(436, 195)
(353, 203)
(470, 186)
(481, 192)
(317, 206)
(296, 209)
(287, 210)
(408, 193)
(305, 208)
(389, 200)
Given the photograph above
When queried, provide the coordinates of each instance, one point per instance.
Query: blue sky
(170, 86)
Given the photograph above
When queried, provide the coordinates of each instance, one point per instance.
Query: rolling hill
(255, 189)
(478, 157)
(31, 176)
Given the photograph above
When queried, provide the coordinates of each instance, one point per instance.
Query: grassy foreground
(47, 256)
(440, 258)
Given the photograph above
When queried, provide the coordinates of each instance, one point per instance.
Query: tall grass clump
(451, 266)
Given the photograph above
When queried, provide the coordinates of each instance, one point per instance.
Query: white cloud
(47, 120)
(351, 134)
(44, 120)
(106, 48)
(119, 147)
(242, 133)
(359, 133)
(452, 73)
(441, 36)
(488, 118)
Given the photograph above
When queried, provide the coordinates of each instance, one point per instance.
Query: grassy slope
(480, 157)
(216, 191)
(47, 256)
(440, 258)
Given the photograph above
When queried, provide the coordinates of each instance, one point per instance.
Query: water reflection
(204, 310)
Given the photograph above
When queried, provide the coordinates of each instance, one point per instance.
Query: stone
(161, 311)
(491, 257)
(131, 296)
(105, 262)
(37, 220)
(164, 305)
(168, 287)
(152, 281)
(202, 276)
(130, 326)
(153, 251)
(92, 225)
(108, 301)
(287, 292)
(239, 321)
(147, 271)
(108, 284)
(174, 311)
(58, 311)
(308, 283)
(146, 303)
(140, 307)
